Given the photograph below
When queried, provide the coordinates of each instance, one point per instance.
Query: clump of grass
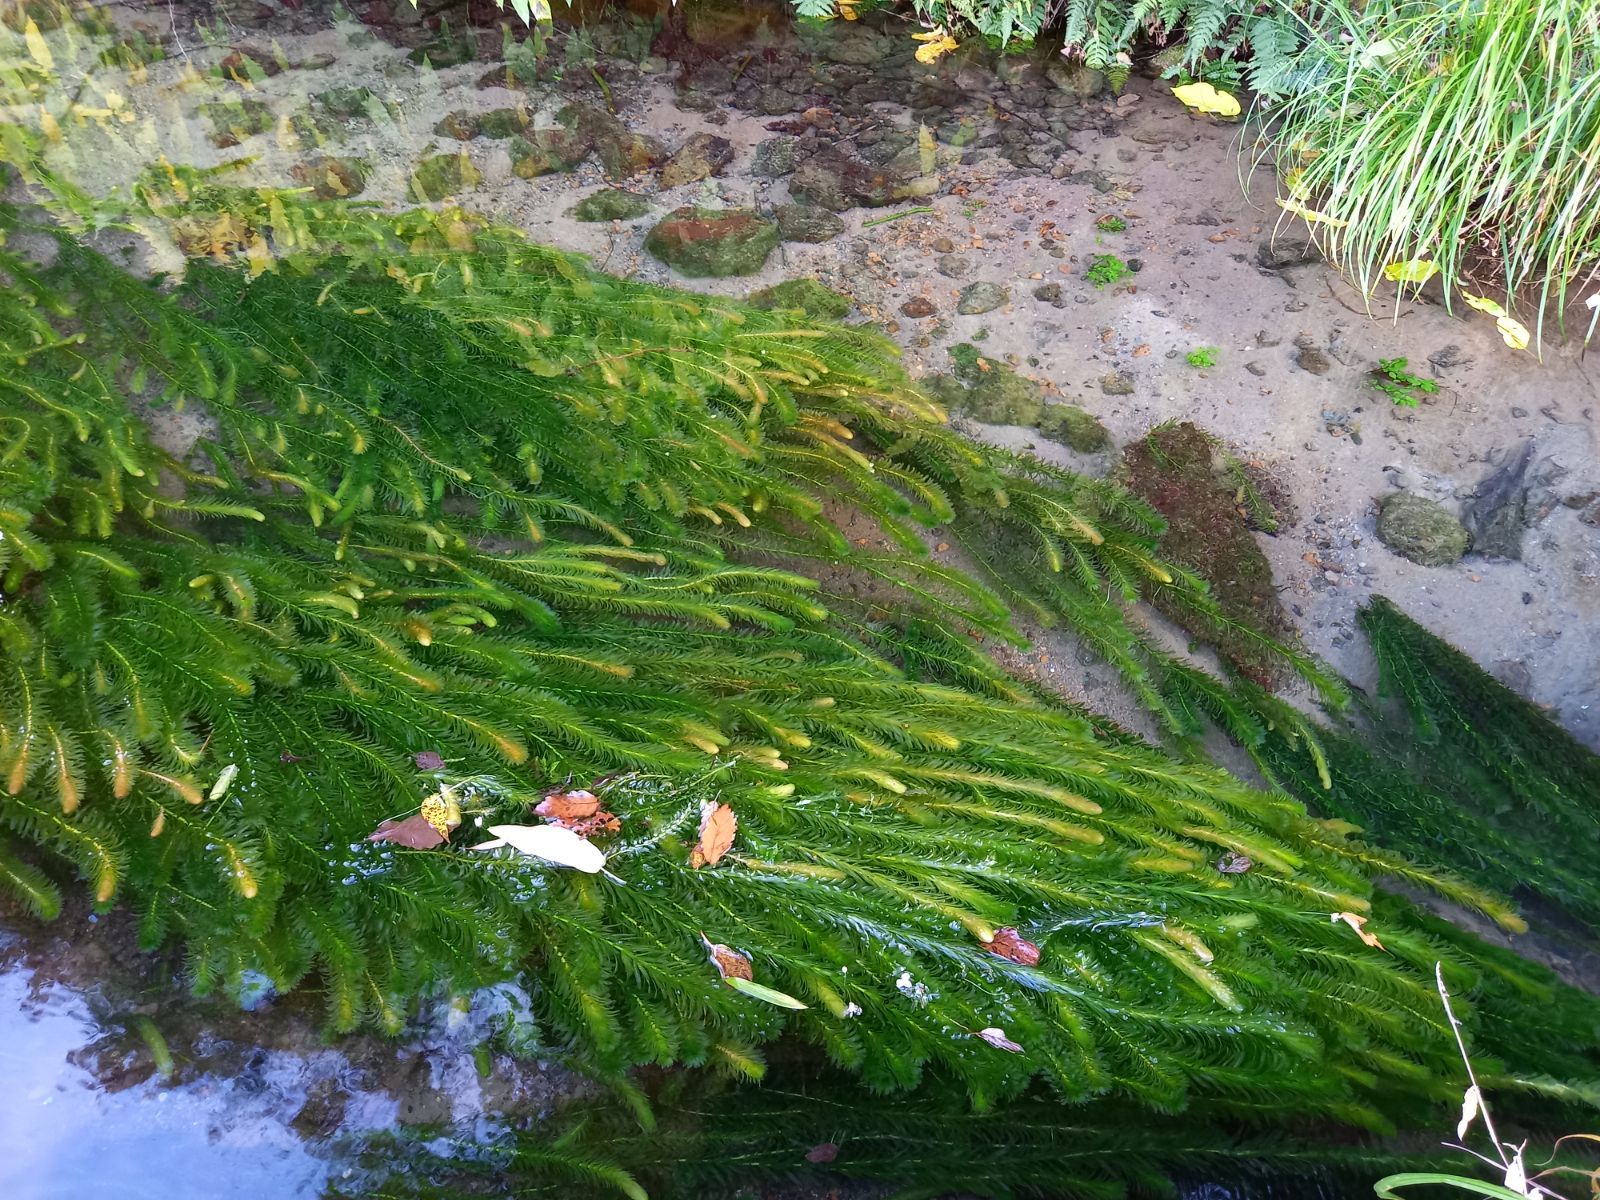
(1108, 269)
(1392, 378)
(1202, 356)
(1110, 224)
(1467, 135)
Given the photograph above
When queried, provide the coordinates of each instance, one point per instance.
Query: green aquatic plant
(1202, 357)
(441, 521)
(1106, 270)
(1453, 768)
(1393, 378)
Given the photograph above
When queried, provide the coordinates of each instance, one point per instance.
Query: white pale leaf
(998, 1039)
(1471, 1106)
(553, 843)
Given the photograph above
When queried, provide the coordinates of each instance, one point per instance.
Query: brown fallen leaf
(1010, 944)
(998, 1039)
(414, 831)
(1359, 924)
(428, 760)
(441, 811)
(730, 964)
(823, 1152)
(717, 828)
(579, 811)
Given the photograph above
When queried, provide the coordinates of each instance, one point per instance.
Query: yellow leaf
(935, 45)
(1412, 270)
(1483, 304)
(1202, 97)
(847, 10)
(1514, 332)
(36, 45)
(1309, 214)
(1359, 924)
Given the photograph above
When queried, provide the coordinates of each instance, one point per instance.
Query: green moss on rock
(1180, 471)
(444, 175)
(1074, 427)
(1422, 530)
(612, 204)
(806, 295)
(713, 242)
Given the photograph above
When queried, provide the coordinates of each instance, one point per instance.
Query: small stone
(330, 177)
(918, 307)
(774, 158)
(701, 156)
(1256, 369)
(1313, 359)
(953, 266)
(1421, 530)
(981, 297)
(1518, 412)
(944, 246)
(1117, 383)
(805, 295)
(806, 223)
(1050, 293)
(712, 242)
(610, 204)
(1275, 255)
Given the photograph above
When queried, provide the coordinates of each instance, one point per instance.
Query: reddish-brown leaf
(578, 811)
(1008, 943)
(717, 828)
(414, 832)
(823, 1152)
(730, 964)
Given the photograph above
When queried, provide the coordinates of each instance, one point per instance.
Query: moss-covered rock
(1422, 530)
(331, 177)
(611, 204)
(1182, 472)
(346, 102)
(701, 156)
(1075, 427)
(444, 175)
(548, 152)
(714, 242)
(806, 295)
(806, 223)
(995, 394)
(235, 119)
(464, 125)
(622, 152)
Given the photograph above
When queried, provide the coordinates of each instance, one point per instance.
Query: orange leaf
(717, 827)
(1008, 943)
(1359, 924)
(578, 811)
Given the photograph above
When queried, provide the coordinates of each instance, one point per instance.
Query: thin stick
(910, 212)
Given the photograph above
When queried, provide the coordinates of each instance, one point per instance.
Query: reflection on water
(65, 1136)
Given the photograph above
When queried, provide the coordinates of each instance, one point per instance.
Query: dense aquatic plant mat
(456, 530)
(1457, 137)
(1453, 768)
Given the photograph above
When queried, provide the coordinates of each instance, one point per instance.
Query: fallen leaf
(1234, 863)
(1010, 944)
(1310, 214)
(553, 843)
(1513, 332)
(730, 964)
(1141, 350)
(1471, 1106)
(847, 10)
(998, 1039)
(38, 50)
(1483, 304)
(1359, 924)
(578, 811)
(760, 991)
(414, 831)
(219, 789)
(1413, 270)
(717, 828)
(441, 811)
(824, 1152)
(428, 760)
(1202, 97)
(935, 45)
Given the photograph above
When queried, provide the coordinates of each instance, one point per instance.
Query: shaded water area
(955, 208)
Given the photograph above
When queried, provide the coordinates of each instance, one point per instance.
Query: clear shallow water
(63, 1136)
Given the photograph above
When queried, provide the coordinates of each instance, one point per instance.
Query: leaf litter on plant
(1009, 944)
(578, 810)
(718, 825)
(736, 972)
